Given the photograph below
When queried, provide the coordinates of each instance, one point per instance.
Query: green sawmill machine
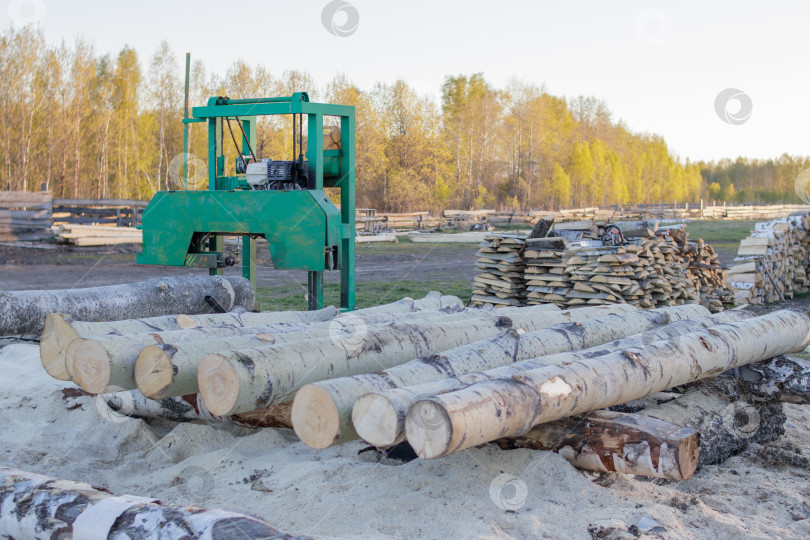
(281, 201)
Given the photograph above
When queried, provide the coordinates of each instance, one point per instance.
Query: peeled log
(322, 412)
(171, 369)
(605, 441)
(251, 379)
(489, 410)
(23, 312)
(379, 417)
(33, 506)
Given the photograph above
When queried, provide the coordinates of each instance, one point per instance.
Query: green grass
(720, 233)
(368, 293)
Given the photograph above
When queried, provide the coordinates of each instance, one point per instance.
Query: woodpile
(24, 216)
(592, 383)
(648, 268)
(772, 263)
(96, 235)
(500, 280)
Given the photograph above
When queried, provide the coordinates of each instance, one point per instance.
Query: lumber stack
(576, 266)
(96, 235)
(772, 263)
(500, 280)
(25, 216)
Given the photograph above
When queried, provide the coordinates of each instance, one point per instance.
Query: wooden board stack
(96, 235)
(500, 280)
(772, 264)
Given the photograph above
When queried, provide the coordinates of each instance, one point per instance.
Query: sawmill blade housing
(282, 201)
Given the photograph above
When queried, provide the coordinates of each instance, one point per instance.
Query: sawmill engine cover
(277, 175)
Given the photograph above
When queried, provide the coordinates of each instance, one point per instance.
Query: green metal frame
(304, 230)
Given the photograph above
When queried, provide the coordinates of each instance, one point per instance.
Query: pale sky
(659, 65)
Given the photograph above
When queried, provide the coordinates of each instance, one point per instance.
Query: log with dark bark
(33, 506)
(606, 441)
(23, 312)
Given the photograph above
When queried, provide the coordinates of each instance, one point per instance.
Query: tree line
(89, 125)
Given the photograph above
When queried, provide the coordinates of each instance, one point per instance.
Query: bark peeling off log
(23, 312)
(36, 507)
(618, 442)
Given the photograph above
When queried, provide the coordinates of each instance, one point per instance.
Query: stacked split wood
(772, 263)
(96, 235)
(25, 216)
(500, 280)
(652, 268)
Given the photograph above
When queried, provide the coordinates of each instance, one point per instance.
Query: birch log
(250, 379)
(254, 378)
(99, 362)
(170, 369)
(322, 412)
(379, 417)
(606, 441)
(40, 508)
(489, 410)
(134, 404)
(23, 312)
(60, 330)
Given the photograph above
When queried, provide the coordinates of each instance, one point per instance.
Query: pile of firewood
(647, 267)
(772, 264)
(500, 280)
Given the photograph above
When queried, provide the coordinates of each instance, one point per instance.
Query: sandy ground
(479, 493)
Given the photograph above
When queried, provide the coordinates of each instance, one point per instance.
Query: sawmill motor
(281, 201)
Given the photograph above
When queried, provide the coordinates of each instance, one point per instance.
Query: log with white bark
(98, 362)
(23, 312)
(322, 412)
(134, 404)
(605, 441)
(249, 379)
(489, 410)
(36, 507)
(60, 330)
(170, 369)
(379, 417)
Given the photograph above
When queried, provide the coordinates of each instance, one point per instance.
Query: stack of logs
(445, 378)
(772, 263)
(649, 269)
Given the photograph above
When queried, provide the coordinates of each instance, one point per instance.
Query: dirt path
(68, 267)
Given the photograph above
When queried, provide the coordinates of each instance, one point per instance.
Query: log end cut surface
(186, 322)
(428, 429)
(154, 372)
(219, 384)
(315, 417)
(375, 420)
(91, 366)
(56, 335)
